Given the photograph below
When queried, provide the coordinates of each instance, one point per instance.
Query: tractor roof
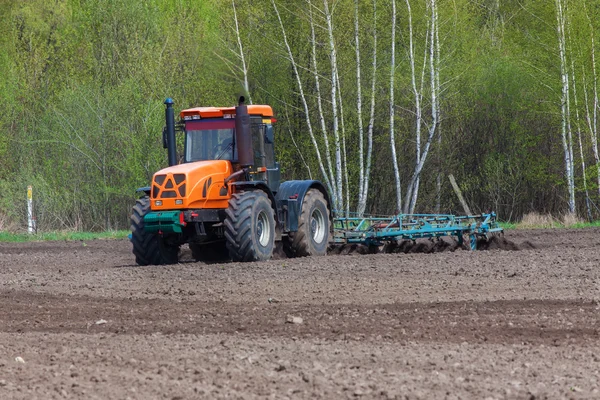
(220, 112)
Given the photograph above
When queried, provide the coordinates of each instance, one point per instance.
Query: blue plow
(371, 231)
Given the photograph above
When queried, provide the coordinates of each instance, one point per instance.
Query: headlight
(178, 201)
(158, 203)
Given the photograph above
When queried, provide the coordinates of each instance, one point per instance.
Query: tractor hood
(194, 185)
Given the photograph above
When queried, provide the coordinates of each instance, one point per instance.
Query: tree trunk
(334, 108)
(392, 113)
(365, 189)
(361, 156)
(566, 134)
(315, 71)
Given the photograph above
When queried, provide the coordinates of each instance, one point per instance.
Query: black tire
(149, 248)
(313, 234)
(250, 227)
(214, 252)
(169, 253)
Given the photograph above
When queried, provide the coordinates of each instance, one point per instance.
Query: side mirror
(164, 138)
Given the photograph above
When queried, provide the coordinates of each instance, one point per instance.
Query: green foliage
(82, 85)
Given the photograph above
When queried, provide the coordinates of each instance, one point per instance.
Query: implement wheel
(250, 226)
(149, 248)
(312, 236)
(210, 252)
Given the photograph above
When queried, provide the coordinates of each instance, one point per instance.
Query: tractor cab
(210, 134)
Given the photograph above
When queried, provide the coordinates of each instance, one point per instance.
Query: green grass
(24, 237)
(555, 225)
(507, 225)
(593, 224)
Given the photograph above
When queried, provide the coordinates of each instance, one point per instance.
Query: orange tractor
(223, 195)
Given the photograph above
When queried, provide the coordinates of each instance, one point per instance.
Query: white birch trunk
(304, 102)
(392, 113)
(344, 152)
(365, 190)
(361, 156)
(417, 95)
(334, 108)
(422, 153)
(334, 192)
(580, 142)
(566, 134)
(437, 82)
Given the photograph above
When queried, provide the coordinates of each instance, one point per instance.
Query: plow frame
(377, 231)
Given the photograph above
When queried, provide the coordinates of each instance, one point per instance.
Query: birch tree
(334, 107)
(392, 113)
(580, 143)
(361, 139)
(335, 167)
(566, 133)
(432, 56)
(304, 102)
(321, 114)
(344, 151)
(364, 186)
(438, 182)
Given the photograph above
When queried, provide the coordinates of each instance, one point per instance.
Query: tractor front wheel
(250, 227)
(312, 236)
(149, 248)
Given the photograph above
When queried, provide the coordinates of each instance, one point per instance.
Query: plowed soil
(518, 320)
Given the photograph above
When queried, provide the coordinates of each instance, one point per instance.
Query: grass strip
(61, 235)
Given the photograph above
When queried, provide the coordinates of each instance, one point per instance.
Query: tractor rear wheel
(210, 252)
(313, 234)
(149, 248)
(250, 226)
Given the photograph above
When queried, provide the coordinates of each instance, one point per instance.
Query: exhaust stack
(170, 120)
(243, 135)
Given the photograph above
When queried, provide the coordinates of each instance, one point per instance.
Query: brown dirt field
(521, 323)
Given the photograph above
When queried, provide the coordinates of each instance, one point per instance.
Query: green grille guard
(164, 222)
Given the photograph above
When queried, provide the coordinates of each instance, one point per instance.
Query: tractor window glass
(258, 144)
(269, 147)
(215, 143)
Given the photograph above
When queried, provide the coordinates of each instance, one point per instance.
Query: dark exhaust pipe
(243, 136)
(170, 119)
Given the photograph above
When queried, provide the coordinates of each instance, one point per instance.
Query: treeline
(379, 99)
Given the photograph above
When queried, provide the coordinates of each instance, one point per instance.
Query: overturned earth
(518, 319)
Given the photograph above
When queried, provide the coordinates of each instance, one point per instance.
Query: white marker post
(30, 221)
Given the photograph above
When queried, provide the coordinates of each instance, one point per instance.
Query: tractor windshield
(210, 140)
